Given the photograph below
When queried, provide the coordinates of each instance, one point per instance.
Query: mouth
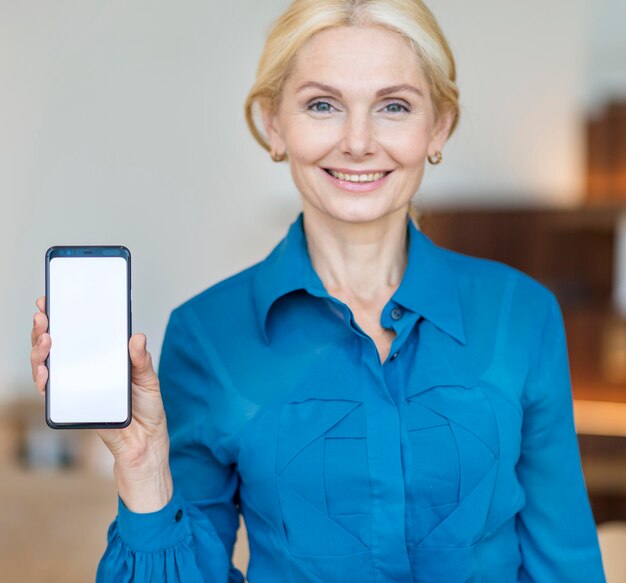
(357, 182)
(356, 177)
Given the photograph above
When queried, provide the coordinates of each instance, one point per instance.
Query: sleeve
(191, 539)
(556, 528)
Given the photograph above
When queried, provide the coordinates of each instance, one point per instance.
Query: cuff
(154, 531)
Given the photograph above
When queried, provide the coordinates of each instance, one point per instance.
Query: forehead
(369, 54)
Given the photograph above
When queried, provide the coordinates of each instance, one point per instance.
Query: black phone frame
(90, 251)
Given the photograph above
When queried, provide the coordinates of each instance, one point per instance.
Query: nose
(358, 138)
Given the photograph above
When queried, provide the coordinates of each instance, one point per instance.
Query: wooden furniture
(606, 153)
(571, 251)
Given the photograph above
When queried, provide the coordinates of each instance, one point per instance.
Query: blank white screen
(89, 331)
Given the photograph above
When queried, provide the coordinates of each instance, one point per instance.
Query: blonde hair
(304, 18)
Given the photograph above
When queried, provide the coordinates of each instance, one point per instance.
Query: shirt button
(393, 356)
(179, 515)
(396, 313)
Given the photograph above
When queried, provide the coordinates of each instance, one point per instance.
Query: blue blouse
(454, 460)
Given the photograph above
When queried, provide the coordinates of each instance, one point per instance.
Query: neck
(362, 262)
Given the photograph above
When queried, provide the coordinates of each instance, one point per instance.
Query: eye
(313, 106)
(397, 104)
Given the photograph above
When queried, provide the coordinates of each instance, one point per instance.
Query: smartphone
(88, 304)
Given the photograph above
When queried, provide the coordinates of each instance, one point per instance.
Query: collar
(429, 286)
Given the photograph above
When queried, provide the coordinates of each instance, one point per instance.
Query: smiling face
(334, 116)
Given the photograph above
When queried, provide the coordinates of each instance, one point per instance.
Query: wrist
(146, 489)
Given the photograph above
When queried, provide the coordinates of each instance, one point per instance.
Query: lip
(357, 186)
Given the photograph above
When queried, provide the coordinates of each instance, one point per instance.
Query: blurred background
(122, 123)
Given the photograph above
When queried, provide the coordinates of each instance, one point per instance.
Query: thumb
(142, 372)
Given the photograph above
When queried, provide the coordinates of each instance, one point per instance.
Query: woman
(379, 408)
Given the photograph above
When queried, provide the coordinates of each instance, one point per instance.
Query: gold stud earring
(277, 157)
(436, 159)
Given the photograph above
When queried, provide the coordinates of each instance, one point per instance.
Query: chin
(358, 208)
(354, 214)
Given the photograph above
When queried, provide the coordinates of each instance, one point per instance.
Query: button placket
(403, 330)
(386, 481)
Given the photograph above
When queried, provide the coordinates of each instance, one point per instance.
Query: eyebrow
(379, 93)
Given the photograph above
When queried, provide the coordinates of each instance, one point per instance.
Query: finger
(40, 325)
(40, 351)
(34, 336)
(35, 360)
(41, 377)
(142, 371)
(36, 375)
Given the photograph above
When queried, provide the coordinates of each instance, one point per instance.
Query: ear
(441, 131)
(273, 130)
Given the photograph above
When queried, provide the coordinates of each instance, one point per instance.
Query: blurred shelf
(54, 524)
(602, 418)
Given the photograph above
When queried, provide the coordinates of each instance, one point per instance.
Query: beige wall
(122, 123)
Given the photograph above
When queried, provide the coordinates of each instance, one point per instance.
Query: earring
(275, 157)
(436, 159)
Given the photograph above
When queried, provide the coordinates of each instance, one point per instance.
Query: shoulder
(233, 291)
(487, 280)
(515, 317)
(214, 313)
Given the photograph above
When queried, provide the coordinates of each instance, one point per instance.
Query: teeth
(357, 177)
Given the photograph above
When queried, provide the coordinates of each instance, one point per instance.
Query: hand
(141, 450)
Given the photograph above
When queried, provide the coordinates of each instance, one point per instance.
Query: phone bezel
(90, 251)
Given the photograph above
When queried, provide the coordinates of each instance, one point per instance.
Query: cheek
(309, 141)
(408, 146)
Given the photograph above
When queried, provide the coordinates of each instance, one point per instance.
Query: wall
(122, 123)
(606, 58)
